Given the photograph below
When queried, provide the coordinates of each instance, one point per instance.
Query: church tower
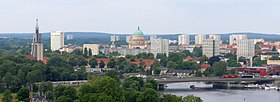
(37, 45)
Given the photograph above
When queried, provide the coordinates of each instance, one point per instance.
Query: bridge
(212, 79)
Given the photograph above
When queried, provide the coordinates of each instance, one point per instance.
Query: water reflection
(223, 95)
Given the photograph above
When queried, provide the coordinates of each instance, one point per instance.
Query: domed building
(137, 40)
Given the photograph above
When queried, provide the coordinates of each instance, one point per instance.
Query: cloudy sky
(153, 16)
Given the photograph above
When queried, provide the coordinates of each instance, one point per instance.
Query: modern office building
(246, 48)
(115, 38)
(160, 46)
(183, 39)
(37, 45)
(137, 40)
(57, 40)
(210, 47)
(94, 48)
(199, 38)
(234, 38)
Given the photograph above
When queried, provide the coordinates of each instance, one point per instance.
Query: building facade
(210, 47)
(246, 48)
(160, 46)
(199, 38)
(183, 39)
(137, 40)
(57, 40)
(93, 47)
(234, 38)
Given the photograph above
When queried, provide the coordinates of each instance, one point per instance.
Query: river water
(223, 95)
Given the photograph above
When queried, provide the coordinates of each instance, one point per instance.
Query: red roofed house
(105, 60)
(188, 58)
(147, 63)
(29, 56)
(203, 67)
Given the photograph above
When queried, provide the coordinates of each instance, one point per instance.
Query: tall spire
(37, 23)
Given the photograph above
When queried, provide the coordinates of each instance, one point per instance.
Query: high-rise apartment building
(115, 38)
(183, 39)
(246, 48)
(57, 40)
(69, 37)
(160, 46)
(153, 37)
(37, 45)
(94, 48)
(234, 38)
(199, 38)
(210, 47)
(215, 37)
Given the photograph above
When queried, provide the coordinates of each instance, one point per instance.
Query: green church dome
(138, 32)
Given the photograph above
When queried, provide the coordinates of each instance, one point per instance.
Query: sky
(153, 16)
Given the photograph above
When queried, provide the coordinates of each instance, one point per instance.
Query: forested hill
(106, 36)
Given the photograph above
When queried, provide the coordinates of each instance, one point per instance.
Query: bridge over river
(212, 79)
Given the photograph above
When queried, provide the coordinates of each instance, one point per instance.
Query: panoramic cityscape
(119, 51)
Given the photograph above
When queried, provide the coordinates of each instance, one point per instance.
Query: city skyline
(177, 16)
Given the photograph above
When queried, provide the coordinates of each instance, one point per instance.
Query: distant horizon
(144, 33)
(153, 16)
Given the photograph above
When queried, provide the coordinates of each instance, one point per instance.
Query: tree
(114, 74)
(7, 96)
(187, 52)
(171, 98)
(219, 68)
(101, 64)
(111, 63)
(203, 59)
(171, 64)
(258, 62)
(213, 59)
(149, 95)
(109, 87)
(192, 98)
(242, 59)
(136, 81)
(197, 51)
(93, 63)
(23, 94)
(59, 91)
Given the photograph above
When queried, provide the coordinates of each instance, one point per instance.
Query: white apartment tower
(234, 38)
(215, 37)
(183, 39)
(199, 38)
(160, 46)
(210, 47)
(57, 40)
(246, 48)
(115, 38)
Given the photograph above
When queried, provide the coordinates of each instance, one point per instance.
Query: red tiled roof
(105, 60)
(204, 66)
(45, 60)
(29, 56)
(147, 62)
(188, 58)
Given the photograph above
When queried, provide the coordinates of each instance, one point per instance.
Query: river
(223, 95)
